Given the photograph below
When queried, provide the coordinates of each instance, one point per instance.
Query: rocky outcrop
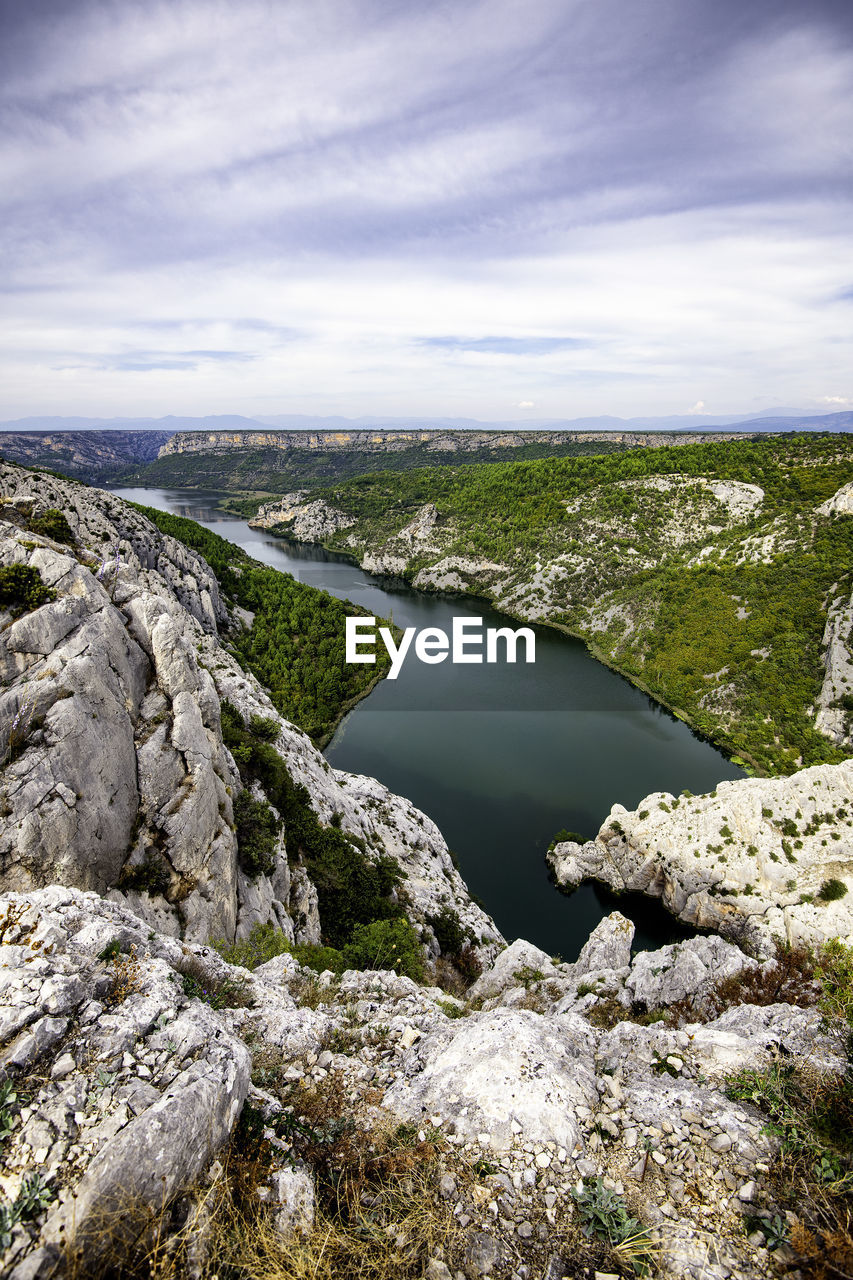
(835, 701)
(114, 775)
(141, 1087)
(134, 1084)
(752, 859)
(378, 440)
(307, 521)
(841, 502)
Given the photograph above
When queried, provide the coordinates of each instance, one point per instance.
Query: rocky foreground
(131, 1085)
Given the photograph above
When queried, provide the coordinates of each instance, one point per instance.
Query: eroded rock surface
(134, 1084)
(749, 859)
(114, 773)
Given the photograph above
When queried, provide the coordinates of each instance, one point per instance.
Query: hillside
(85, 454)
(140, 759)
(261, 465)
(717, 576)
(252, 1024)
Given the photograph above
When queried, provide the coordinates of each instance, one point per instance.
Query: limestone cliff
(115, 776)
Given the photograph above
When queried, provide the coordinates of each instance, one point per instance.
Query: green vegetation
(383, 944)
(52, 524)
(353, 888)
(34, 1196)
(237, 471)
(295, 645)
(149, 876)
(720, 616)
(811, 1114)
(257, 828)
(219, 992)
(604, 1214)
(21, 588)
(832, 890)
(386, 944)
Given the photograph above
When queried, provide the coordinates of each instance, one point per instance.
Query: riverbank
(501, 759)
(734, 752)
(705, 575)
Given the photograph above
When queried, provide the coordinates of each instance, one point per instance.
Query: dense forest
(711, 595)
(295, 644)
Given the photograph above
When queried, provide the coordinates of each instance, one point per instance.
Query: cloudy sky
(477, 207)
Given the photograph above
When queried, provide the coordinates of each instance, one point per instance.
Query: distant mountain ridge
(775, 419)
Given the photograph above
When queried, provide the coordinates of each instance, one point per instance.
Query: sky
(482, 208)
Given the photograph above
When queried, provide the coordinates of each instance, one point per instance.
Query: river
(501, 757)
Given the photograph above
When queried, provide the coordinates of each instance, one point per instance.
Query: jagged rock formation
(136, 1084)
(835, 700)
(749, 859)
(114, 773)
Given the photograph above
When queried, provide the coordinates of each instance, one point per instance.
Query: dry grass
(126, 978)
(812, 1177)
(380, 1214)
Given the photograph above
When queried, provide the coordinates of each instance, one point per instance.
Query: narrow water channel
(501, 757)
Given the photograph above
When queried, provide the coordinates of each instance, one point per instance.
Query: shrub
(264, 727)
(257, 828)
(219, 992)
(564, 835)
(151, 876)
(386, 944)
(21, 588)
(603, 1213)
(320, 958)
(264, 943)
(448, 931)
(835, 974)
(52, 524)
(832, 890)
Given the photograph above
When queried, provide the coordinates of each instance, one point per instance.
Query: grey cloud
(217, 143)
(622, 111)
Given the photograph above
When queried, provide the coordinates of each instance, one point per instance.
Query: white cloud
(356, 177)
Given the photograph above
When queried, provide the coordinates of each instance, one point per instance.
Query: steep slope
(115, 776)
(718, 577)
(84, 454)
